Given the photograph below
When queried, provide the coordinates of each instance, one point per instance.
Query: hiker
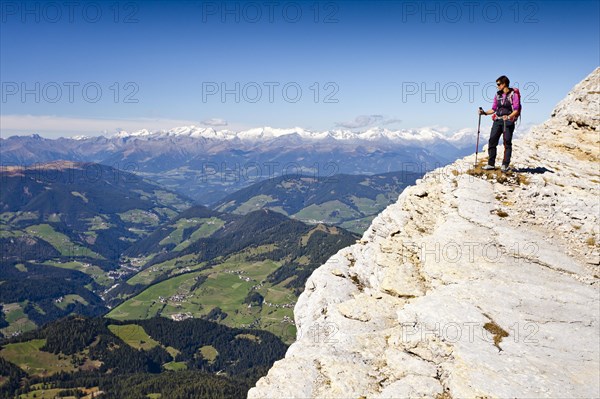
(506, 109)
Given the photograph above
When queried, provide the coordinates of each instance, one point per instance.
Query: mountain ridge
(474, 284)
(424, 135)
(348, 201)
(405, 136)
(208, 168)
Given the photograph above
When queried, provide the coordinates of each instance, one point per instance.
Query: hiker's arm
(494, 106)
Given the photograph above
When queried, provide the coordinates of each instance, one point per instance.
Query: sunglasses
(498, 84)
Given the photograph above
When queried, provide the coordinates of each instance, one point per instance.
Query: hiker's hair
(504, 79)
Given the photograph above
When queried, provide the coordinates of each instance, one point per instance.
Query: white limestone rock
(471, 285)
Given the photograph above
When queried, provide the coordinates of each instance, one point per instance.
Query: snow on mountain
(137, 133)
(267, 133)
(418, 137)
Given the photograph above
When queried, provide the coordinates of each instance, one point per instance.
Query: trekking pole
(478, 129)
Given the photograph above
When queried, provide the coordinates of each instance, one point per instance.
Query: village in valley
(181, 298)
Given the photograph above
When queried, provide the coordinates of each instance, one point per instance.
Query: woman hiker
(506, 109)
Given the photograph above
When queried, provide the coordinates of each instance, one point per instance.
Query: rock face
(474, 284)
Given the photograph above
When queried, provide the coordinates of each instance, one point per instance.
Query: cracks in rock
(413, 232)
(474, 221)
(424, 212)
(357, 282)
(413, 257)
(382, 382)
(322, 379)
(585, 324)
(516, 256)
(440, 374)
(445, 389)
(405, 296)
(559, 270)
(351, 259)
(474, 199)
(412, 353)
(349, 317)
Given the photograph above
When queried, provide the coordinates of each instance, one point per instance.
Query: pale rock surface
(469, 286)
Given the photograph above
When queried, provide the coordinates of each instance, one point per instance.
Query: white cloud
(214, 122)
(391, 121)
(363, 121)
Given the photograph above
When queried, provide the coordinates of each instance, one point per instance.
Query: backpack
(516, 90)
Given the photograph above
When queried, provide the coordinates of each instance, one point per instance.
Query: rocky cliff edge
(474, 284)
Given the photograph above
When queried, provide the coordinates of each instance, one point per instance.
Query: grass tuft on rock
(497, 331)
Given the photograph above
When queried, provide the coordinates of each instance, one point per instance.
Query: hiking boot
(489, 167)
(504, 168)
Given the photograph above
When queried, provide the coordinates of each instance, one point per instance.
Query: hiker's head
(502, 82)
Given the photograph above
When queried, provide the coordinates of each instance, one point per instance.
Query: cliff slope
(474, 284)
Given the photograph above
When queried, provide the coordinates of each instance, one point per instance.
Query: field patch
(17, 319)
(328, 212)
(29, 357)
(254, 204)
(93, 271)
(69, 299)
(207, 228)
(209, 353)
(61, 242)
(151, 301)
(139, 216)
(134, 336)
(53, 393)
(358, 225)
(175, 366)
(226, 287)
(171, 267)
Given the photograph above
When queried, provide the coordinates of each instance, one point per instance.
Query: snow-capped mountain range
(207, 164)
(422, 136)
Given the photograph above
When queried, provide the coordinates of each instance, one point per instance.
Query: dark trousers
(498, 129)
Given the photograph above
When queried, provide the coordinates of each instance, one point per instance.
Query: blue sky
(99, 66)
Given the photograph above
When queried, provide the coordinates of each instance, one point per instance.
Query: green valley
(348, 201)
